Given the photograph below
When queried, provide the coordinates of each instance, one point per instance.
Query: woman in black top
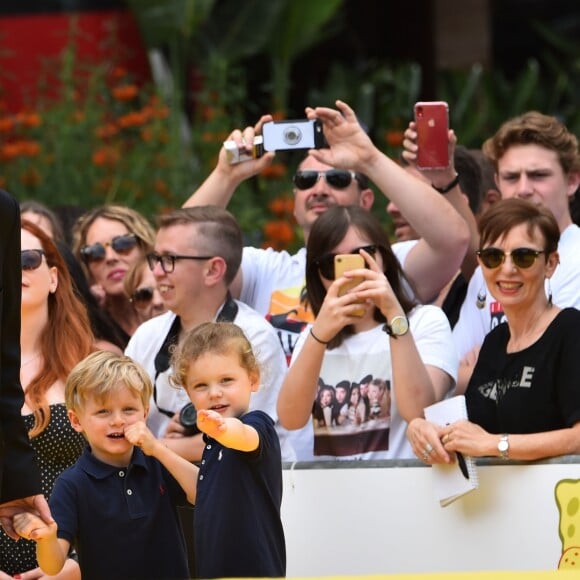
(523, 399)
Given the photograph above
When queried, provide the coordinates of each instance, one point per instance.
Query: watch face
(503, 446)
(399, 325)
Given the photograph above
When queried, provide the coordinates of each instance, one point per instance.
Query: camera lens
(292, 135)
(188, 419)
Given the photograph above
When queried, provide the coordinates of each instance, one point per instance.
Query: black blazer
(19, 475)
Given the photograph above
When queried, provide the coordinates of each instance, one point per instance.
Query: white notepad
(449, 481)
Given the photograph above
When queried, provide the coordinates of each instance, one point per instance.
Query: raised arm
(182, 470)
(228, 431)
(222, 182)
(441, 179)
(434, 261)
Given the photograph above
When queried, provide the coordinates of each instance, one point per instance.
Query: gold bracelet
(317, 339)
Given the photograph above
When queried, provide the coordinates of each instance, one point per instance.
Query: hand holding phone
(344, 263)
(289, 135)
(432, 125)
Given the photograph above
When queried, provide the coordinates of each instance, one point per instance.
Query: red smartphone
(432, 123)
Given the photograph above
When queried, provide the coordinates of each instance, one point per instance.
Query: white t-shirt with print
(368, 353)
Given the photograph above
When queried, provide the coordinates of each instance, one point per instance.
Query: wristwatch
(398, 326)
(503, 446)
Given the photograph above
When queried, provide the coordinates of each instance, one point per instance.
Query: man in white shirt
(196, 255)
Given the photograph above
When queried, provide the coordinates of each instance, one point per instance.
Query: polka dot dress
(57, 448)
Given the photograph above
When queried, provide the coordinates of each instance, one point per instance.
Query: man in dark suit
(19, 476)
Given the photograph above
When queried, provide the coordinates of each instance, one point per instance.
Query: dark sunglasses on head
(142, 297)
(337, 178)
(31, 259)
(97, 252)
(325, 264)
(521, 257)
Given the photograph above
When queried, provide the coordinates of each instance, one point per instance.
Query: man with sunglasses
(19, 475)
(272, 282)
(536, 158)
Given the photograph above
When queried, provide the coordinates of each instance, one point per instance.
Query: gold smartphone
(344, 263)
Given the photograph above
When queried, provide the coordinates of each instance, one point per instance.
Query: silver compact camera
(297, 134)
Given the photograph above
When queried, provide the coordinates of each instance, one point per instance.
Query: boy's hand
(138, 434)
(32, 527)
(211, 423)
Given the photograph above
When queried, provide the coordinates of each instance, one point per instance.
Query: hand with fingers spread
(350, 146)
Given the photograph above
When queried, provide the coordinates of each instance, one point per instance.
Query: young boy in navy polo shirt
(238, 488)
(117, 504)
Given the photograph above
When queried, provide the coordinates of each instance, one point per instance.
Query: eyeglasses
(167, 261)
(31, 259)
(97, 252)
(337, 178)
(142, 297)
(325, 264)
(521, 257)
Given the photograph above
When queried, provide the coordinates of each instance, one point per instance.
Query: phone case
(344, 263)
(432, 123)
(296, 134)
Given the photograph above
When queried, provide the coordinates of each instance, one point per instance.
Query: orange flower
(125, 92)
(106, 157)
(161, 187)
(135, 119)
(106, 131)
(146, 134)
(6, 124)
(394, 138)
(117, 73)
(281, 206)
(29, 148)
(274, 171)
(279, 230)
(29, 120)
(20, 148)
(31, 176)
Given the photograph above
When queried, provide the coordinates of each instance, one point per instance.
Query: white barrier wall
(354, 518)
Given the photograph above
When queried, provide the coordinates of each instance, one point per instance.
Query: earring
(481, 298)
(549, 293)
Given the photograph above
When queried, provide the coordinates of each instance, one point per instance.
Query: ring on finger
(428, 449)
(445, 438)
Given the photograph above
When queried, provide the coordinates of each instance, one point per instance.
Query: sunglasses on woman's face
(31, 259)
(97, 252)
(521, 257)
(142, 297)
(337, 178)
(325, 264)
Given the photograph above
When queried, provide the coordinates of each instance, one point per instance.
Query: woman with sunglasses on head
(55, 336)
(374, 328)
(141, 288)
(108, 240)
(523, 399)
